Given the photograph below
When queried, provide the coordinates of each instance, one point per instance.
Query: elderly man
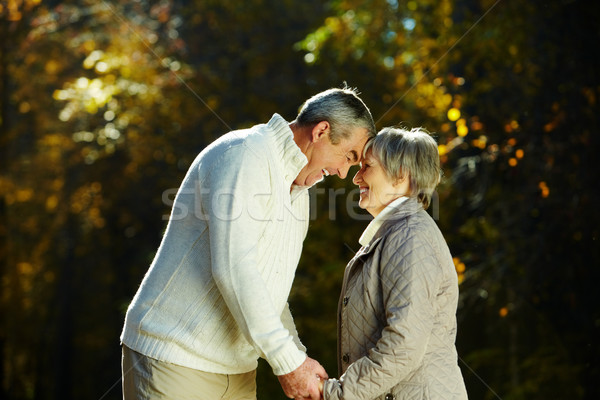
(214, 299)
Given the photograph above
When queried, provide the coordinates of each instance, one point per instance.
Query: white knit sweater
(215, 296)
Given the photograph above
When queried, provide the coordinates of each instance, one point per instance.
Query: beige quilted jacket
(397, 315)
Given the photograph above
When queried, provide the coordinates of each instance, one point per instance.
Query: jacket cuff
(332, 389)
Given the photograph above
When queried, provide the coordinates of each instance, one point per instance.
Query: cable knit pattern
(396, 316)
(215, 296)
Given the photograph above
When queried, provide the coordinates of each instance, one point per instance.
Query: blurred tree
(79, 143)
(511, 93)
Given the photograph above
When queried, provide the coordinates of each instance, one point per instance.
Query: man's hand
(303, 382)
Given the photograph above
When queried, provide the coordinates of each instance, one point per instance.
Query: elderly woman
(396, 316)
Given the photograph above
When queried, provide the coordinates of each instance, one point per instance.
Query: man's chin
(319, 179)
(311, 181)
(308, 182)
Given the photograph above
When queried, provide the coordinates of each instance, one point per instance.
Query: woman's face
(377, 190)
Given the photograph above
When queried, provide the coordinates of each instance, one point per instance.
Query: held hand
(304, 381)
(321, 386)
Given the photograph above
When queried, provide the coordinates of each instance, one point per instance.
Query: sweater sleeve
(239, 211)
(288, 323)
(409, 275)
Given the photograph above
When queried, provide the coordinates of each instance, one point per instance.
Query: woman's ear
(403, 184)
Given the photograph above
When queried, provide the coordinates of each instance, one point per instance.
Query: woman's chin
(363, 204)
(372, 211)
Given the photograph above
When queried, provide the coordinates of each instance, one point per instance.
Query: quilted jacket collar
(376, 223)
(398, 212)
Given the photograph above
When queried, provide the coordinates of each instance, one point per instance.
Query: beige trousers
(145, 378)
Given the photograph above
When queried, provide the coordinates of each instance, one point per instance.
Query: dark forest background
(104, 104)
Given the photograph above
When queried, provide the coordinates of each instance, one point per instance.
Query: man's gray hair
(342, 108)
(406, 152)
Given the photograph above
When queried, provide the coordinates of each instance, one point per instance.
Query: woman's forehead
(369, 157)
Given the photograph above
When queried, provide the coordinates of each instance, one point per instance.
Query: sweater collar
(292, 158)
(397, 209)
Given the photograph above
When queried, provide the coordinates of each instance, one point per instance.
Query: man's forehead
(357, 138)
(357, 141)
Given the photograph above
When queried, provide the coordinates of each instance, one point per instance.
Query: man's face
(327, 158)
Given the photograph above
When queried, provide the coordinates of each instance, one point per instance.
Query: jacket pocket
(407, 391)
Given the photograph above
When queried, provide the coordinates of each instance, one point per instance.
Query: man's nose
(357, 177)
(343, 172)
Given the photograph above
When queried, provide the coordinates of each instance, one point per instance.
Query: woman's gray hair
(342, 108)
(406, 152)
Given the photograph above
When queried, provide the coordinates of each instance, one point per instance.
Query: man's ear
(320, 131)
